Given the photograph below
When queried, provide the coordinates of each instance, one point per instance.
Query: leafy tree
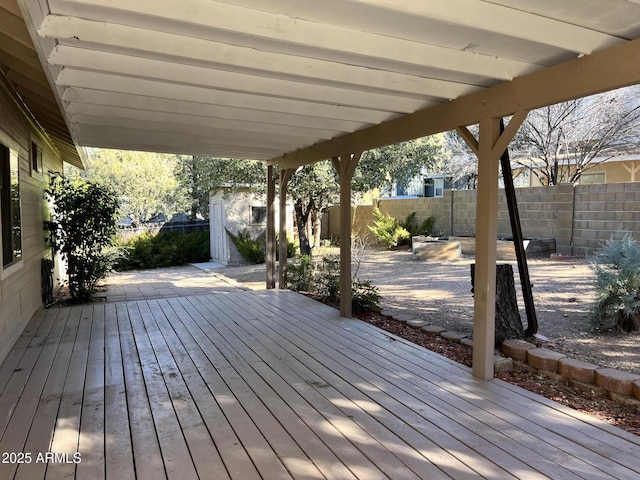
(397, 164)
(144, 182)
(461, 164)
(563, 141)
(198, 175)
(83, 225)
(312, 187)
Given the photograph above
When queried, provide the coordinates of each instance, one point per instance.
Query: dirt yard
(441, 293)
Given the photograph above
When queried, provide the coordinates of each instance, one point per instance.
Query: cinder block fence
(580, 218)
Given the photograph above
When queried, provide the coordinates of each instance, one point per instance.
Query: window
(591, 178)
(434, 187)
(36, 158)
(438, 187)
(258, 215)
(10, 207)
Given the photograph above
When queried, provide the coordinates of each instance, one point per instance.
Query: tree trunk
(317, 227)
(301, 223)
(508, 322)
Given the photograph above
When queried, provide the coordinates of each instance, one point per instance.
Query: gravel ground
(441, 294)
(563, 294)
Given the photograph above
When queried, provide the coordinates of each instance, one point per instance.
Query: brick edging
(620, 386)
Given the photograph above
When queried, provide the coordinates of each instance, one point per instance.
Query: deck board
(269, 384)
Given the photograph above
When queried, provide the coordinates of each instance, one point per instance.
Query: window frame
(12, 153)
(35, 159)
(263, 214)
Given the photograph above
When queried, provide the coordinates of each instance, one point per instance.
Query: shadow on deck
(269, 384)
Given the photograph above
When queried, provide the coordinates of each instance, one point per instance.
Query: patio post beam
(271, 228)
(345, 165)
(285, 176)
(484, 304)
(600, 71)
(489, 148)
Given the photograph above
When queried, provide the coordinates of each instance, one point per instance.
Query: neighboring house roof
(296, 82)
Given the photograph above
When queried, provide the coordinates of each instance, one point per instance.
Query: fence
(580, 218)
(129, 233)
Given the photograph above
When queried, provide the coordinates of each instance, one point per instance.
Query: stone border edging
(622, 387)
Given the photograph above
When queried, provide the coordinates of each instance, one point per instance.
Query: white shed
(235, 211)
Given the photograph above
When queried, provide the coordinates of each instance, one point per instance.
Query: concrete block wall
(603, 211)
(580, 218)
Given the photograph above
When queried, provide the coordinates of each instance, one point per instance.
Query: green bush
(414, 229)
(617, 269)
(387, 230)
(328, 279)
(251, 248)
(82, 227)
(365, 297)
(165, 249)
(299, 275)
(424, 228)
(323, 279)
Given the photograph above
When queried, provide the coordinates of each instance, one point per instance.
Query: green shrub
(617, 269)
(299, 275)
(328, 279)
(82, 229)
(365, 297)
(414, 229)
(387, 229)
(165, 249)
(251, 248)
(323, 279)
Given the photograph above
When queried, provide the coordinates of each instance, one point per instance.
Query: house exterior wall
(614, 172)
(20, 292)
(579, 218)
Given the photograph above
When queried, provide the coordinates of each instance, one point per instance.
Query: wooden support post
(486, 241)
(285, 176)
(488, 148)
(345, 166)
(271, 228)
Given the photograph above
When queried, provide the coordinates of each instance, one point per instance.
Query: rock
(502, 364)
(454, 337)
(577, 370)
(544, 359)
(516, 349)
(616, 381)
(433, 329)
(416, 323)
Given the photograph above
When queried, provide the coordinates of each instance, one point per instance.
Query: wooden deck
(272, 385)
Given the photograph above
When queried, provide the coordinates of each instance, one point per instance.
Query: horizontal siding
(20, 294)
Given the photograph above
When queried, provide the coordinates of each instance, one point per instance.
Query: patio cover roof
(290, 81)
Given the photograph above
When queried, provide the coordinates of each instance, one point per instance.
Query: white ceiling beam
(124, 139)
(306, 33)
(83, 123)
(601, 71)
(483, 15)
(246, 126)
(102, 98)
(115, 83)
(119, 64)
(265, 63)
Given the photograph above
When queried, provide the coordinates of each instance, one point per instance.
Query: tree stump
(508, 322)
